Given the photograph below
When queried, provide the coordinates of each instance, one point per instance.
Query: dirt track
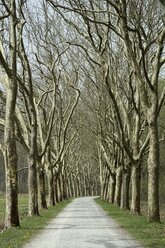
(82, 224)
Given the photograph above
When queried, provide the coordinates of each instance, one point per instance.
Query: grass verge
(148, 234)
(16, 237)
(22, 205)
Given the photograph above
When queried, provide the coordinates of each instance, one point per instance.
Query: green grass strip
(148, 234)
(16, 237)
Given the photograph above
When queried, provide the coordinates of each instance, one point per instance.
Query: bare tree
(130, 23)
(10, 153)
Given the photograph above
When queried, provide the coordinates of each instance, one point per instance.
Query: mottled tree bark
(41, 188)
(61, 188)
(136, 182)
(72, 185)
(105, 186)
(10, 152)
(125, 191)
(57, 193)
(153, 173)
(79, 187)
(85, 187)
(118, 185)
(69, 188)
(112, 188)
(51, 197)
(32, 173)
(50, 178)
(101, 185)
(65, 186)
(12, 216)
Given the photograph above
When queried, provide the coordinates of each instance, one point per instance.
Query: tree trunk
(105, 187)
(50, 178)
(10, 152)
(57, 193)
(153, 174)
(51, 199)
(12, 216)
(72, 184)
(79, 187)
(58, 190)
(61, 188)
(32, 174)
(125, 191)
(69, 188)
(112, 188)
(85, 189)
(136, 182)
(101, 170)
(65, 186)
(55, 190)
(92, 190)
(41, 188)
(103, 184)
(118, 187)
(107, 192)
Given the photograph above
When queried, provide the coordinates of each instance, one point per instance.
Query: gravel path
(82, 224)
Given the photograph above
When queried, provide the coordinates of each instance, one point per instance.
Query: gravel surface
(82, 224)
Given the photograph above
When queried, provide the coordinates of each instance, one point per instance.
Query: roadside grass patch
(17, 237)
(22, 205)
(148, 234)
(2, 210)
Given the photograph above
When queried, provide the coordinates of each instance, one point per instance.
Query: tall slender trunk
(32, 173)
(55, 190)
(101, 170)
(136, 183)
(61, 188)
(57, 193)
(50, 178)
(92, 190)
(10, 151)
(41, 188)
(69, 188)
(112, 188)
(72, 184)
(125, 191)
(101, 188)
(51, 197)
(79, 187)
(65, 185)
(12, 216)
(105, 186)
(153, 173)
(118, 187)
(85, 187)
(107, 191)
